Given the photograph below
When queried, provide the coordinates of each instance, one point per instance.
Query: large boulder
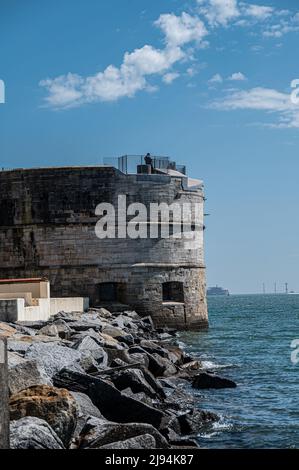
(118, 334)
(98, 433)
(27, 374)
(33, 433)
(113, 405)
(55, 406)
(206, 380)
(52, 356)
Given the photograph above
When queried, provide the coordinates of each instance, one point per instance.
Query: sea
(250, 341)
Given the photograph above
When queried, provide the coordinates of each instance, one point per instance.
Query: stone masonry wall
(47, 228)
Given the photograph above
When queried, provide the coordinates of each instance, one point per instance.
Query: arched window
(173, 291)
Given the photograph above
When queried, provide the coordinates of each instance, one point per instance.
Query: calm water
(249, 341)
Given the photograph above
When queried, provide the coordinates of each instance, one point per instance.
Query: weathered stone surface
(86, 409)
(111, 402)
(98, 433)
(135, 380)
(145, 441)
(14, 359)
(49, 330)
(33, 433)
(19, 347)
(6, 330)
(118, 334)
(55, 406)
(27, 374)
(63, 330)
(52, 356)
(169, 368)
(206, 380)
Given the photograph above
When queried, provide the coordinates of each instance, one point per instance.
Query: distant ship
(217, 291)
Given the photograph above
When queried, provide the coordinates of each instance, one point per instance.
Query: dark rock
(55, 406)
(135, 380)
(113, 405)
(63, 329)
(27, 374)
(49, 330)
(35, 325)
(169, 368)
(98, 433)
(192, 422)
(118, 334)
(68, 317)
(154, 366)
(205, 380)
(81, 325)
(52, 356)
(145, 441)
(33, 433)
(153, 348)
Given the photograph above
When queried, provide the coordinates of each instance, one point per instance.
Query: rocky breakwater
(102, 381)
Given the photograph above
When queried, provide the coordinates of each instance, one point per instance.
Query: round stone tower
(48, 228)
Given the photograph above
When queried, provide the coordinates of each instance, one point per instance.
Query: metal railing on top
(128, 163)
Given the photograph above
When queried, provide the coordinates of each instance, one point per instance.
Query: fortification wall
(47, 229)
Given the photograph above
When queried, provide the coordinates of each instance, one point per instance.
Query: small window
(111, 292)
(173, 292)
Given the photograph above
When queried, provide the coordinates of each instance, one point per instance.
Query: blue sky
(205, 81)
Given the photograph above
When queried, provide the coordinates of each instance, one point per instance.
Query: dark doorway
(173, 292)
(111, 292)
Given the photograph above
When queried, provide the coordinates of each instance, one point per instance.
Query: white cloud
(257, 11)
(180, 30)
(125, 81)
(262, 99)
(219, 12)
(217, 78)
(237, 77)
(168, 78)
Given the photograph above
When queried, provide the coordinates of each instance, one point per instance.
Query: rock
(86, 343)
(138, 396)
(142, 359)
(193, 365)
(33, 433)
(98, 433)
(7, 330)
(49, 330)
(55, 406)
(154, 366)
(192, 422)
(135, 380)
(63, 330)
(169, 368)
(27, 374)
(153, 348)
(82, 325)
(36, 325)
(17, 346)
(14, 359)
(24, 330)
(109, 342)
(67, 316)
(101, 312)
(113, 405)
(52, 356)
(205, 380)
(85, 406)
(86, 409)
(118, 334)
(145, 441)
